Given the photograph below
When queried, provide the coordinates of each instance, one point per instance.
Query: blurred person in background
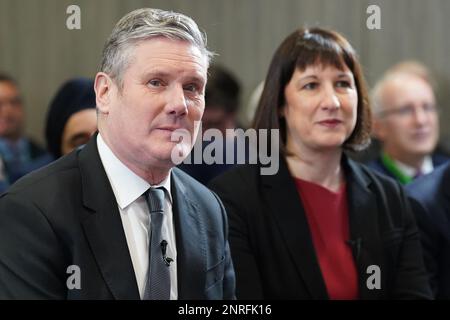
(406, 122)
(222, 95)
(71, 118)
(252, 104)
(20, 153)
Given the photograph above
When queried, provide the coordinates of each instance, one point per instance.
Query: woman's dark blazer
(272, 248)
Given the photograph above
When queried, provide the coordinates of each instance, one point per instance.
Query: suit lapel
(446, 188)
(191, 242)
(287, 210)
(364, 229)
(103, 226)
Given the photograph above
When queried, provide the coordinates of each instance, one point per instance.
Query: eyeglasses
(409, 110)
(14, 102)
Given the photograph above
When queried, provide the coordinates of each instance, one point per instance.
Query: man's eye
(407, 110)
(155, 83)
(191, 88)
(429, 107)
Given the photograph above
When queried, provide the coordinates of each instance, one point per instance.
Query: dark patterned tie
(158, 275)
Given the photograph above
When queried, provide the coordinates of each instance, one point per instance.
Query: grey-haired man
(115, 220)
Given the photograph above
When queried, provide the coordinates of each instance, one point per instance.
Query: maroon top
(327, 215)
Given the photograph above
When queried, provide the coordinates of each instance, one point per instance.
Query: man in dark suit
(431, 204)
(406, 122)
(81, 228)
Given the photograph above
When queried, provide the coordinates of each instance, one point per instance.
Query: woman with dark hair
(322, 227)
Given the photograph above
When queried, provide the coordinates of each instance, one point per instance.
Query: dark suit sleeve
(229, 280)
(411, 280)
(429, 237)
(248, 283)
(31, 262)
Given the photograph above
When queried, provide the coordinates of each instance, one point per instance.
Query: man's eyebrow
(163, 74)
(197, 79)
(156, 73)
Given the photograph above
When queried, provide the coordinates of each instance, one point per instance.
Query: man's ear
(103, 87)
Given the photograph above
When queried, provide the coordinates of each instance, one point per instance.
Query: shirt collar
(427, 167)
(127, 186)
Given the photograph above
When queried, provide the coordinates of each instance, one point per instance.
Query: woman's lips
(330, 123)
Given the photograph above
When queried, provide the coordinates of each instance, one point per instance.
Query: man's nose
(176, 101)
(420, 115)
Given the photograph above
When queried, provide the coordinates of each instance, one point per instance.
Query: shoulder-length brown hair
(301, 49)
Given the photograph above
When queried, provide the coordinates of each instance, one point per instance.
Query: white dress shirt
(427, 167)
(128, 189)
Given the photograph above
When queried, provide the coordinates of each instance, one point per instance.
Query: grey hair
(408, 68)
(143, 24)
(377, 97)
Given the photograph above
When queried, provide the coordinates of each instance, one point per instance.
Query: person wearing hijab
(71, 118)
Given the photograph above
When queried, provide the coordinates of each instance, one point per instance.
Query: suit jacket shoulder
(431, 186)
(35, 214)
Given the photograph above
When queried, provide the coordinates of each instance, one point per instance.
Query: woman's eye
(343, 84)
(310, 86)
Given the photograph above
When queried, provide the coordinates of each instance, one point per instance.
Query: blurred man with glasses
(406, 122)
